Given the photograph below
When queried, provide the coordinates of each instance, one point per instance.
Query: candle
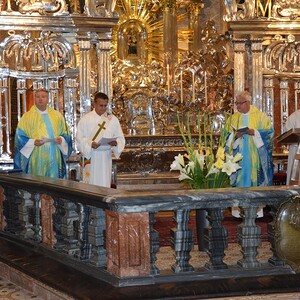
(193, 87)
(181, 87)
(75, 7)
(168, 78)
(205, 88)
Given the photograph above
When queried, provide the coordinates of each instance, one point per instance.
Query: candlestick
(193, 87)
(181, 87)
(75, 9)
(205, 88)
(168, 78)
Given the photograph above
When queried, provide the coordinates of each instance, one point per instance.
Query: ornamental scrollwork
(24, 53)
(283, 54)
(44, 7)
(286, 9)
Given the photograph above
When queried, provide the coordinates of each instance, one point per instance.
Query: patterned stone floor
(9, 291)
(17, 285)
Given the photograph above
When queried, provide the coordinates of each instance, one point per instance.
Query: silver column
(54, 94)
(84, 74)
(70, 105)
(256, 49)
(21, 97)
(268, 102)
(104, 68)
(5, 119)
(239, 66)
(284, 103)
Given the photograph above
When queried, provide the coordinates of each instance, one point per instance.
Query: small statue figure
(102, 8)
(249, 8)
(231, 10)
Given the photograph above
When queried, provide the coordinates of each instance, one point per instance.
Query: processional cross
(101, 127)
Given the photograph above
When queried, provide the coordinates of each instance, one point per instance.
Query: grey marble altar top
(155, 197)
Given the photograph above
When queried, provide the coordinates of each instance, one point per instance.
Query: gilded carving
(132, 41)
(287, 9)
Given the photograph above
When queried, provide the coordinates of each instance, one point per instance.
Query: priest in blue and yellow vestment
(251, 135)
(42, 140)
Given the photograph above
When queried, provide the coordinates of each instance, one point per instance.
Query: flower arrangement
(202, 166)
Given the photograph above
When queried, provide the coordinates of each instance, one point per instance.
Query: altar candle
(168, 78)
(181, 87)
(75, 6)
(205, 88)
(193, 87)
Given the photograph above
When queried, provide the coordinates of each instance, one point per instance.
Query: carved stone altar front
(146, 154)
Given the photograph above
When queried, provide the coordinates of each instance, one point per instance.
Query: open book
(241, 129)
(104, 141)
(47, 140)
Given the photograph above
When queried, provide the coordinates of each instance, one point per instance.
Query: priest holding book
(99, 135)
(42, 141)
(251, 134)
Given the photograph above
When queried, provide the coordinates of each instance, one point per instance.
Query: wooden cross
(101, 127)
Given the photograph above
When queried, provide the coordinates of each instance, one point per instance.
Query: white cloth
(293, 121)
(101, 158)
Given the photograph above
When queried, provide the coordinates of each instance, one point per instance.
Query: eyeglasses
(240, 103)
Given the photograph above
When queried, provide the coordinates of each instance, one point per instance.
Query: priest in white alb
(99, 136)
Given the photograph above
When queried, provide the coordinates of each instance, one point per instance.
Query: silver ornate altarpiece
(51, 44)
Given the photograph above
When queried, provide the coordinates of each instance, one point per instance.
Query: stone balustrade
(109, 233)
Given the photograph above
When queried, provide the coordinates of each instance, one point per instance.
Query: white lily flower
(180, 158)
(229, 168)
(213, 170)
(237, 166)
(190, 168)
(178, 163)
(184, 176)
(201, 159)
(237, 157)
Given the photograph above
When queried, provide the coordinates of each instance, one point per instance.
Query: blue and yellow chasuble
(46, 160)
(256, 162)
